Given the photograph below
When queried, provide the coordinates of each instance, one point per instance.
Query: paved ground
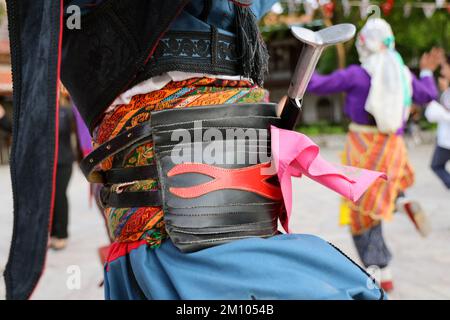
(420, 266)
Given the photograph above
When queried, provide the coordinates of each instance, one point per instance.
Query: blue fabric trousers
(372, 248)
(440, 158)
(282, 267)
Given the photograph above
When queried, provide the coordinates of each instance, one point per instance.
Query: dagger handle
(291, 113)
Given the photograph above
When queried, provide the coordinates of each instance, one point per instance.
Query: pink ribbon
(294, 155)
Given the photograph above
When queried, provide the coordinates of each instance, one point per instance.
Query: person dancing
(60, 223)
(144, 74)
(440, 114)
(379, 94)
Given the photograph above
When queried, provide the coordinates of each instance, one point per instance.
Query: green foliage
(326, 128)
(425, 125)
(2, 11)
(322, 127)
(414, 34)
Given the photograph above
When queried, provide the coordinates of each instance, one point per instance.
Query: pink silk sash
(294, 155)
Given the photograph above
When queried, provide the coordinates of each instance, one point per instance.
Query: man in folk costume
(440, 113)
(379, 94)
(142, 72)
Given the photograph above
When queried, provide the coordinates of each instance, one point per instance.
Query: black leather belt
(112, 147)
(110, 198)
(205, 204)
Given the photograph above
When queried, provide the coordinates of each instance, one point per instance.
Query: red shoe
(416, 214)
(387, 286)
(383, 277)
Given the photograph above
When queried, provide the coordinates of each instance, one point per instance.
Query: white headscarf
(390, 95)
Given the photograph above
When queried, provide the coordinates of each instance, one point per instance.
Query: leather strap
(111, 147)
(237, 197)
(129, 199)
(123, 175)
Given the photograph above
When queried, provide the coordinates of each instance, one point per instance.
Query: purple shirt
(83, 135)
(355, 82)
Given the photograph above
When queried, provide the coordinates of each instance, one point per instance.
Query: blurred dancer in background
(380, 92)
(84, 141)
(440, 114)
(59, 233)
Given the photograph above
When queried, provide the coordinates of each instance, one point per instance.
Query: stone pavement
(420, 266)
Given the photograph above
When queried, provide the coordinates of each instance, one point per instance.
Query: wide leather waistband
(213, 165)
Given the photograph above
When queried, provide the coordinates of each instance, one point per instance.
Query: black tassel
(252, 50)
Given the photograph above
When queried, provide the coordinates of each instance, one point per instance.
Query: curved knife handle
(314, 44)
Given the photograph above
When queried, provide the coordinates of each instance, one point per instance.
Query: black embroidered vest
(121, 43)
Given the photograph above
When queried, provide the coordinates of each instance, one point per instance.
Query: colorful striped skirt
(367, 148)
(143, 263)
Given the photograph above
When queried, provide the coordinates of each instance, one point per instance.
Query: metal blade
(315, 43)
